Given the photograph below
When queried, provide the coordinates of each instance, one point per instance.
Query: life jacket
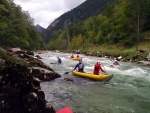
(80, 67)
(72, 56)
(96, 68)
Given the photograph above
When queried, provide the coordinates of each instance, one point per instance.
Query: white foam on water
(134, 72)
(126, 69)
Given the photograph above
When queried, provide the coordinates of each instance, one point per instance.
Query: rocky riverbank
(140, 57)
(20, 77)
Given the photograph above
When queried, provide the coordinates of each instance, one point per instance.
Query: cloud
(46, 11)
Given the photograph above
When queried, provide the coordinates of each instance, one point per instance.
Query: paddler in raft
(80, 66)
(78, 56)
(98, 67)
(72, 56)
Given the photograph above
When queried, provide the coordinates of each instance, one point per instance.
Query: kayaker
(59, 61)
(72, 56)
(80, 66)
(116, 63)
(98, 67)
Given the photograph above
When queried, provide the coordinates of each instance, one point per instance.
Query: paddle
(69, 71)
(66, 72)
(104, 68)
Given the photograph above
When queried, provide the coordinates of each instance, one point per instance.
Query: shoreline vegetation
(136, 54)
(139, 55)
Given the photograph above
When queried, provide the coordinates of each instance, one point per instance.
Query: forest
(17, 27)
(124, 23)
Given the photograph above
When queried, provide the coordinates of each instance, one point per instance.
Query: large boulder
(44, 74)
(20, 92)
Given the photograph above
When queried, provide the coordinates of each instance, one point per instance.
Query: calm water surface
(127, 92)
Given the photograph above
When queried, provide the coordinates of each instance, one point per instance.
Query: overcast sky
(45, 12)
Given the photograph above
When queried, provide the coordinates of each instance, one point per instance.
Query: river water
(127, 92)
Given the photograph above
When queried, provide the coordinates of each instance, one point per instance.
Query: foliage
(123, 23)
(15, 59)
(89, 8)
(16, 27)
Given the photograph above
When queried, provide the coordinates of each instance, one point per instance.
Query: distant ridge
(40, 29)
(87, 9)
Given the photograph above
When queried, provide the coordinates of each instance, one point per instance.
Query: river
(127, 92)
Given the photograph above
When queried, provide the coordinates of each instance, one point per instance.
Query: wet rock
(26, 56)
(144, 63)
(41, 64)
(120, 57)
(38, 57)
(20, 92)
(15, 49)
(76, 51)
(148, 57)
(30, 53)
(142, 50)
(44, 74)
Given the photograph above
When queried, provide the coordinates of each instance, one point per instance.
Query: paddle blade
(66, 72)
(65, 110)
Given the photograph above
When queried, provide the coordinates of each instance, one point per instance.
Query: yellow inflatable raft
(100, 77)
(75, 58)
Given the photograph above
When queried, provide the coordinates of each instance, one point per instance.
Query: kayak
(113, 65)
(100, 77)
(75, 58)
(65, 110)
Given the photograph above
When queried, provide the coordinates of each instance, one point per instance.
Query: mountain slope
(82, 12)
(40, 29)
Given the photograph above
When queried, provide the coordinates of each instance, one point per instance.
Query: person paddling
(116, 63)
(98, 67)
(78, 56)
(72, 56)
(59, 61)
(80, 66)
